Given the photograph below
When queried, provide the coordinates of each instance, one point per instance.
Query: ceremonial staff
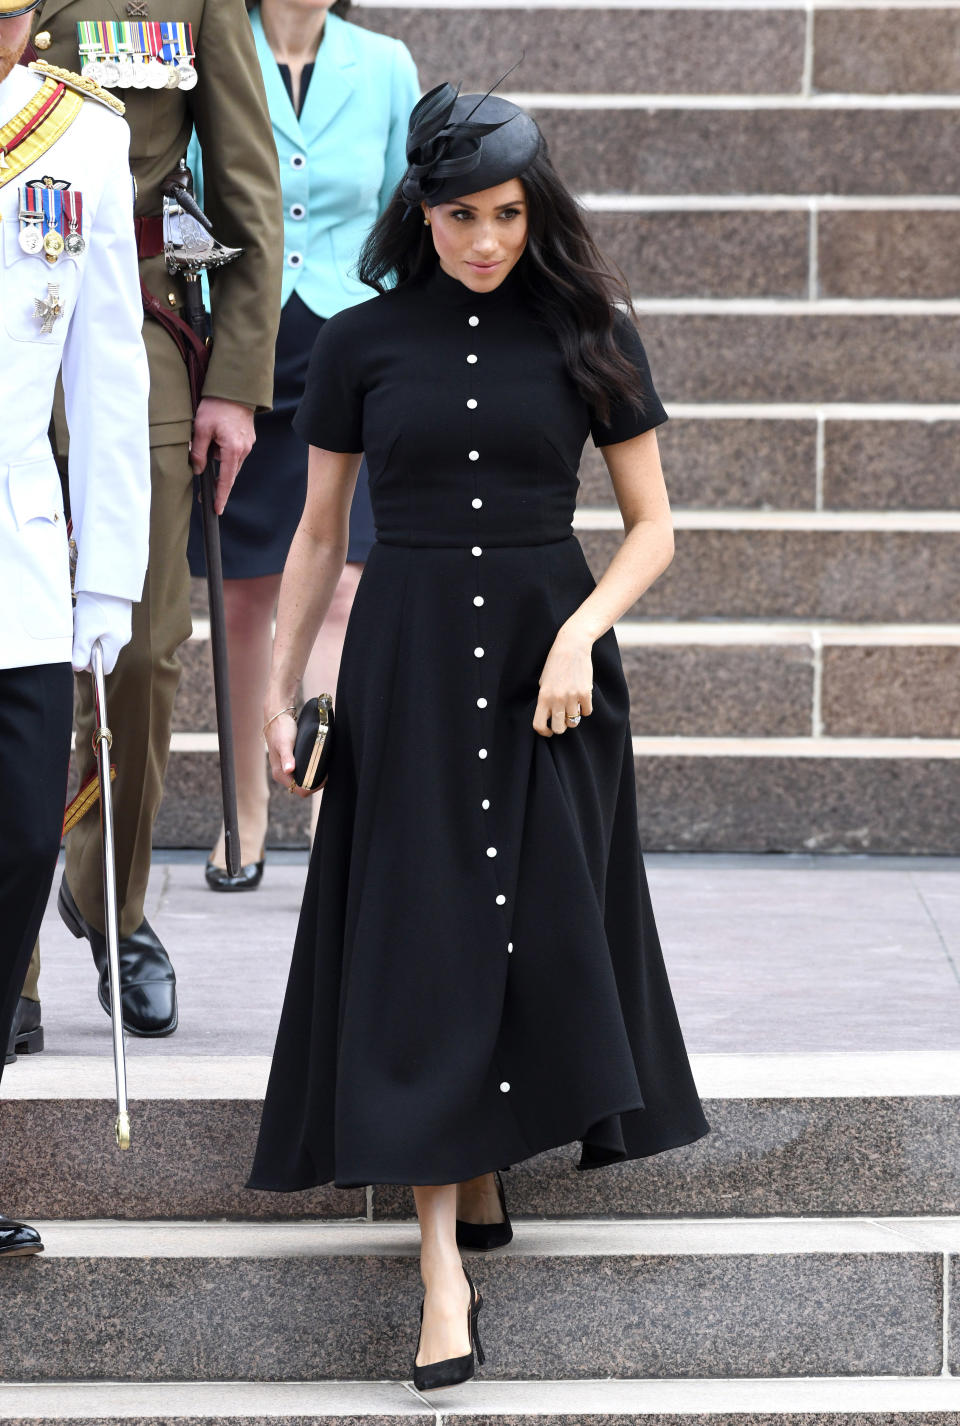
(102, 743)
(190, 249)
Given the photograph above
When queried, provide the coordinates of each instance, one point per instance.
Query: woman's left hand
(566, 684)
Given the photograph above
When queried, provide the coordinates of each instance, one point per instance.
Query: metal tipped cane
(102, 743)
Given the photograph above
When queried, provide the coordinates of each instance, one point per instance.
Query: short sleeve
(330, 414)
(630, 418)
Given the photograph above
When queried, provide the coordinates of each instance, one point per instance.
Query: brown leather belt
(149, 236)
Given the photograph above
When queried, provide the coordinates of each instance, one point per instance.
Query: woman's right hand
(279, 735)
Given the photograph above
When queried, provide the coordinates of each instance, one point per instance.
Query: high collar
(444, 288)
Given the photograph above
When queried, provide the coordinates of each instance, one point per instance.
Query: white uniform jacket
(99, 344)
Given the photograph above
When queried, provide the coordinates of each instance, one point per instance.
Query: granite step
(799, 1401)
(827, 351)
(693, 1298)
(723, 49)
(758, 144)
(882, 796)
(885, 567)
(743, 456)
(742, 679)
(818, 1134)
(594, 47)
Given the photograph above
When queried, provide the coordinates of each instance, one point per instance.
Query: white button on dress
(481, 703)
(491, 851)
(476, 550)
(501, 900)
(474, 321)
(471, 358)
(476, 502)
(472, 404)
(478, 652)
(509, 948)
(481, 753)
(478, 600)
(485, 804)
(504, 1086)
(474, 455)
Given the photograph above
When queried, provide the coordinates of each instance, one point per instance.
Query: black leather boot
(148, 986)
(26, 1032)
(18, 1240)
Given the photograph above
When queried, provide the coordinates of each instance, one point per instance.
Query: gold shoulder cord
(89, 88)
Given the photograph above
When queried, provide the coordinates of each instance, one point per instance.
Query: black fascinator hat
(463, 143)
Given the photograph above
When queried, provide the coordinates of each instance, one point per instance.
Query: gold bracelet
(289, 709)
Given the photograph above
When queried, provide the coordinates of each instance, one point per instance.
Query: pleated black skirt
(477, 975)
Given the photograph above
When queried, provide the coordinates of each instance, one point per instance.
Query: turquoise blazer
(341, 159)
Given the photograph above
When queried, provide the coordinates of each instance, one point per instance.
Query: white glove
(103, 617)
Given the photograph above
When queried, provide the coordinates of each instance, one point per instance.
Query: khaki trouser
(140, 697)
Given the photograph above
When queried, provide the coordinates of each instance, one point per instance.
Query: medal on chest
(48, 310)
(138, 54)
(51, 219)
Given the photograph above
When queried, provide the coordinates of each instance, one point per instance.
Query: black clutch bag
(311, 748)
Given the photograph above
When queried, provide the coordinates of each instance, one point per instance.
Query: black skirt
(477, 975)
(267, 499)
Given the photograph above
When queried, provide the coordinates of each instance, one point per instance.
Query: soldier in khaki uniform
(226, 103)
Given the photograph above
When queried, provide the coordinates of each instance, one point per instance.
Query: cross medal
(47, 309)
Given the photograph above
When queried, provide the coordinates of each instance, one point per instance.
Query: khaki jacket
(242, 194)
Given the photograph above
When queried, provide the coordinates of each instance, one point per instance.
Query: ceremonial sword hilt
(189, 246)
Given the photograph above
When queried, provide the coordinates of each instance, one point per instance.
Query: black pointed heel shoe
(484, 1237)
(248, 878)
(453, 1370)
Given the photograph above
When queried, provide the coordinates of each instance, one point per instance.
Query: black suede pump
(453, 1370)
(484, 1237)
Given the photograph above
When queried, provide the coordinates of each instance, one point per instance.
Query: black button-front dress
(477, 975)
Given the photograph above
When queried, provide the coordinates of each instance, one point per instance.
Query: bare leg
(446, 1292)
(249, 605)
(323, 665)
(478, 1200)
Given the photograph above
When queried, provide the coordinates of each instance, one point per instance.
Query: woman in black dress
(477, 975)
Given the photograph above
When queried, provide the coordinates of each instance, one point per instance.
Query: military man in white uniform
(70, 297)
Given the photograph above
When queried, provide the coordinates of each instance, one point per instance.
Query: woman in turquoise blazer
(340, 97)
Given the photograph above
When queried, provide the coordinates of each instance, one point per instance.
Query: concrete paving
(767, 955)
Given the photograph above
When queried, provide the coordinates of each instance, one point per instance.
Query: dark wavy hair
(573, 289)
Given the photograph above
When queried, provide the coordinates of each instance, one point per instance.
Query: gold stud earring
(426, 222)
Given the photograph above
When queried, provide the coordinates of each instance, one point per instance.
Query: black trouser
(36, 717)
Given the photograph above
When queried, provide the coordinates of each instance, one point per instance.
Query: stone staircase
(798, 1267)
(780, 185)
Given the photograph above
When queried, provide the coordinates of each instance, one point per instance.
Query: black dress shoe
(484, 1237)
(148, 986)
(26, 1032)
(248, 878)
(18, 1240)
